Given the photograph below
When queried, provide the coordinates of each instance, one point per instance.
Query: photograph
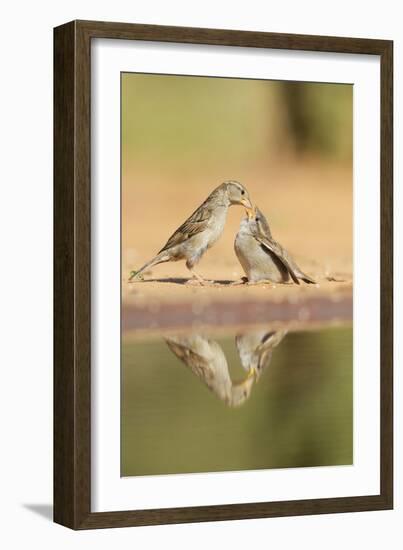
(236, 274)
(206, 192)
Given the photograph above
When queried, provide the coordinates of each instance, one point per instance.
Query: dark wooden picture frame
(72, 274)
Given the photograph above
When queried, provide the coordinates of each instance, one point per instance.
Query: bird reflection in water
(255, 349)
(207, 361)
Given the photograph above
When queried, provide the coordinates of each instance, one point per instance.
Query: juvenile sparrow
(255, 349)
(262, 258)
(207, 361)
(202, 229)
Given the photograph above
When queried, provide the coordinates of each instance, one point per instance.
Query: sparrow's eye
(257, 219)
(242, 192)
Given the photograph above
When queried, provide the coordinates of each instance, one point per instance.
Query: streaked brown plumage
(202, 229)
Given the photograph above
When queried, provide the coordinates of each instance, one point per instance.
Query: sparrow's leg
(190, 263)
(197, 277)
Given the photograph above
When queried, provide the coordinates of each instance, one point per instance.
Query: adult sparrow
(262, 258)
(206, 359)
(202, 229)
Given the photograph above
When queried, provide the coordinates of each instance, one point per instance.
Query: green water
(183, 415)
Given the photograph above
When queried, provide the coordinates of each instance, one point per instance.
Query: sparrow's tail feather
(158, 259)
(305, 278)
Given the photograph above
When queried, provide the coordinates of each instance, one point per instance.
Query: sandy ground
(310, 212)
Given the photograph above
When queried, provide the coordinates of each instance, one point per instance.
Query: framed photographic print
(222, 274)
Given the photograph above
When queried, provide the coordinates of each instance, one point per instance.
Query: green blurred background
(299, 412)
(182, 119)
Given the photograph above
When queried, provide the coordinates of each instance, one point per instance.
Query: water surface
(241, 400)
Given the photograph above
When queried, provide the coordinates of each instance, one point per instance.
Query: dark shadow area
(44, 510)
(184, 281)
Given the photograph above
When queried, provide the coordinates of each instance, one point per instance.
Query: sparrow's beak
(246, 203)
(251, 374)
(250, 213)
(248, 381)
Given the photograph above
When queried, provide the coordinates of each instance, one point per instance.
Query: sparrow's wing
(199, 365)
(281, 254)
(196, 223)
(264, 350)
